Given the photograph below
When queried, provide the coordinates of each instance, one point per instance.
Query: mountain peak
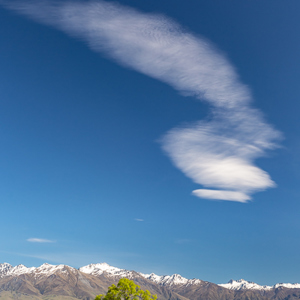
(5, 266)
(242, 284)
(170, 280)
(4, 269)
(104, 268)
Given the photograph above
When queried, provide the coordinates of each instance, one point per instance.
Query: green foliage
(126, 290)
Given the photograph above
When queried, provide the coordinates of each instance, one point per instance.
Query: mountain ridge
(86, 282)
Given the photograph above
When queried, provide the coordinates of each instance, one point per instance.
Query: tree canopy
(126, 289)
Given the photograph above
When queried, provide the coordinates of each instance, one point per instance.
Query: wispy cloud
(139, 220)
(217, 153)
(37, 240)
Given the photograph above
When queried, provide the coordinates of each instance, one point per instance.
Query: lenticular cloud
(216, 154)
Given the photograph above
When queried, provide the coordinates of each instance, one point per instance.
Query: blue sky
(160, 137)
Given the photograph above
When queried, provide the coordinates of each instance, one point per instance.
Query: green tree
(126, 290)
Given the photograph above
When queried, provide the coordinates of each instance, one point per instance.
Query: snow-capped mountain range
(95, 270)
(45, 269)
(169, 280)
(98, 269)
(247, 285)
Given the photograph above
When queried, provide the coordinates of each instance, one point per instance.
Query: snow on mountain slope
(168, 280)
(4, 269)
(244, 285)
(99, 269)
(247, 285)
(288, 285)
(45, 269)
(176, 279)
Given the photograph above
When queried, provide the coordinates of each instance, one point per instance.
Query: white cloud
(37, 240)
(222, 195)
(139, 220)
(219, 153)
(217, 156)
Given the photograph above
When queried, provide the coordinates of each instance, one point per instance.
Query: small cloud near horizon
(139, 220)
(37, 240)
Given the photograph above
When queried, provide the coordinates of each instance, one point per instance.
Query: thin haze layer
(218, 153)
